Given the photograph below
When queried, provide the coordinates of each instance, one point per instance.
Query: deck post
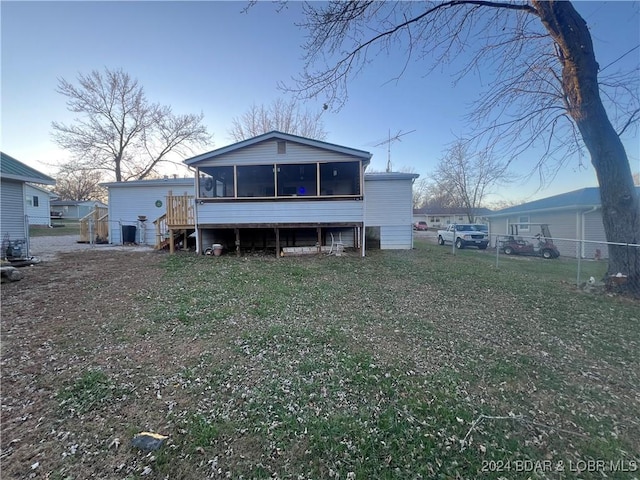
(277, 242)
(319, 230)
(237, 232)
(172, 245)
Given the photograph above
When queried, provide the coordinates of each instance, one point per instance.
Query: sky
(215, 59)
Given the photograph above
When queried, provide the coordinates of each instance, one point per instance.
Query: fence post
(453, 241)
(497, 251)
(580, 250)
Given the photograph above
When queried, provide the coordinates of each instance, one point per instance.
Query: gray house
(14, 176)
(574, 218)
(276, 191)
(283, 189)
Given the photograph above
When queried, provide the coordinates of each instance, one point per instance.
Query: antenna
(395, 138)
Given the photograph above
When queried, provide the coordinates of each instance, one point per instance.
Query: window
(523, 223)
(281, 180)
(340, 178)
(297, 180)
(216, 182)
(36, 203)
(282, 147)
(255, 181)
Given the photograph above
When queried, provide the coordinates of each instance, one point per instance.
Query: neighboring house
(275, 190)
(576, 216)
(437, 217)
(73, 209)
(14, 176)
(38, 207)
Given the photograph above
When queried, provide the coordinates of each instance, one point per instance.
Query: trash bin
(128, 234)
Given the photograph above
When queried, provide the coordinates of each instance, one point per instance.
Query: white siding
(127, 202)
(389, 205)
(266, 152)
(594, 231)
(312, 211)
(563, 224)
(40, 215)
(12, 210)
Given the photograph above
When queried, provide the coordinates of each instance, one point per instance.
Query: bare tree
(467, 178)
(119, 132)
(75, 183)
(547, 89)
(420, 193)
(281, 115)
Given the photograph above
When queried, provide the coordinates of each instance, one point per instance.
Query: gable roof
(12, 169)
(366, 156)
(577, 199)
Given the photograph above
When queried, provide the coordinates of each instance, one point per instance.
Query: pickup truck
(465, 235)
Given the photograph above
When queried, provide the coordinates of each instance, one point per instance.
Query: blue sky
(210, 57)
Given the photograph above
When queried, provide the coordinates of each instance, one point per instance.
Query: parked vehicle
(465, 235)
(420, 226)
(542, 246)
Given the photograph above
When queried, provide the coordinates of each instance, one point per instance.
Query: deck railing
(94, 227)
(162, 231)
(180, 210)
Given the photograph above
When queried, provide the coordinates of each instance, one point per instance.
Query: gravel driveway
(47, 248)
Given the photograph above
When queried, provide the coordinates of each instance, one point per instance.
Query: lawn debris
(148, 441)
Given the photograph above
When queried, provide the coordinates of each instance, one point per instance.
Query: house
(74, 209)
(38, 206)
(437, 217)
(574, 219)
(276, 191)
(14, 176)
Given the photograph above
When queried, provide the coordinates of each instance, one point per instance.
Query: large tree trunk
(618, 196)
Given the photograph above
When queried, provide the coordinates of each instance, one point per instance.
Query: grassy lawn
(61, 227)
(405, 364)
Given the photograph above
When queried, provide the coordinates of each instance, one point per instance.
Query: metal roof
(12, 169)
(584, 198)
(366, 156)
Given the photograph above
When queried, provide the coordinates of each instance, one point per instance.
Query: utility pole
(390, 139)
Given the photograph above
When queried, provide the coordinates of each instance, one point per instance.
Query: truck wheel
(440, 240)
(547, 254)
(482, 247)
(459, 243)
(508, 250)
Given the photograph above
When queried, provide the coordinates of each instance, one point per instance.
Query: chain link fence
(588, 264)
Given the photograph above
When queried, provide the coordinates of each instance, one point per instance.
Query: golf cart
(542, 247)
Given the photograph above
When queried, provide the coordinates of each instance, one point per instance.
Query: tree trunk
(618, 196)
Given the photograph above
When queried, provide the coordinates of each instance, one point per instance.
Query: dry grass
(401, 365)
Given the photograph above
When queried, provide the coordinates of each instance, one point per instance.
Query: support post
(172, 244)
(277, 242)
(237, 231)
(319, 231)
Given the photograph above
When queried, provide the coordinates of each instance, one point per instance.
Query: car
(54, 214)
(420, 226)
(465, 235)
